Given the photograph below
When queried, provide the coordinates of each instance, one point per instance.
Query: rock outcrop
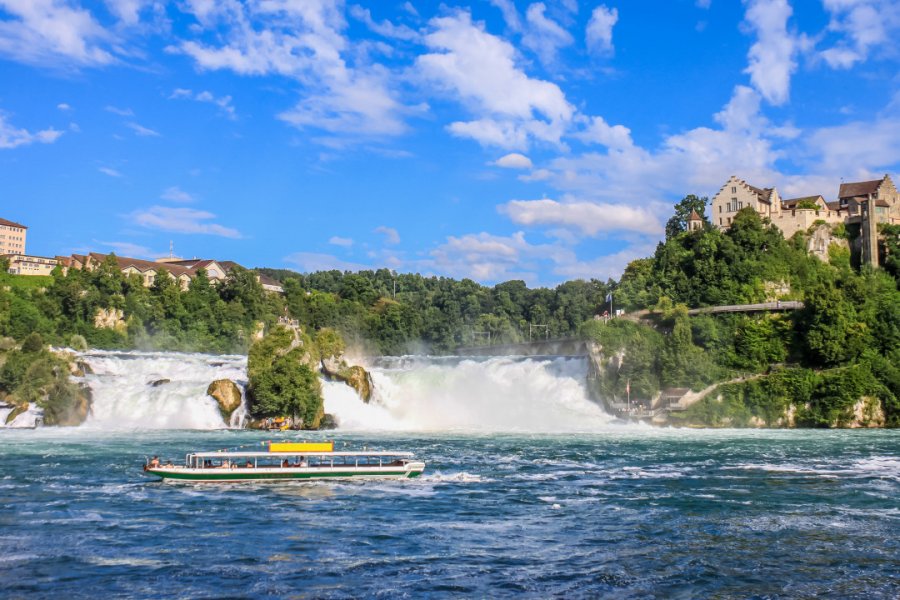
(159, 382)
(355, 376)
(227, 395)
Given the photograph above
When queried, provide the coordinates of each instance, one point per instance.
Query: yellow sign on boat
(301, 446)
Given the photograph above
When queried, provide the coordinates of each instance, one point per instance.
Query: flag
(609, 297)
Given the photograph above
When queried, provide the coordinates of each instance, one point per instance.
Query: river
(594, 509)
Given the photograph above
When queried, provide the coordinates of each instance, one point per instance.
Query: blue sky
(494, 139)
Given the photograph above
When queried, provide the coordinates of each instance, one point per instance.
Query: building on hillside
(12, 237)
(853, 206)
(736, 195)
(183, 270)
(22, 264)
(694, 222)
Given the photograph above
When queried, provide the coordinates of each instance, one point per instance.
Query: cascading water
(492, 394)
(124, 396)
(413, 393)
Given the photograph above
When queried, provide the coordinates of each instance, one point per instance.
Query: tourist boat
(288, 461)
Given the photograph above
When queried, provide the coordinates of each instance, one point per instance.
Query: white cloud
(391, 236)
(604, 267)
(599, 131)
(514, 161)
(109, 171)
(340, 241)
(537, 175)
(122, 112)
(181, 220)
(480, 69)
(176, 194)
(128, 249)
(491, 258)
(63, 106)
(864, 25)
(588, 218)
(12, 137)
(141, 130)
(598, 35)
(544, 36)
(128, 11)
(52, 33)
(309, 262)
(223, 102)
(510, 14)
(772, 57)
(302, 41)
(384, 28)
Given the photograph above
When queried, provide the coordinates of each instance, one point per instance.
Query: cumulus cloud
(480, 70)
(13, 137)
(588, 218)
(52, 33)
(599, 32)
(340, 241)
(863, 25)
(128, 249)
(391, 236)
(141, 130)
(128, 11)
(308, 262)
(176, 194)
(514, 160)
(122, 112)
(544, 36)
(491, 258)
(510, 14)
(63, 106)
(222, 102)
(109, 171)
(384, 28)
(303, 41)
(181, 220)
(772, 58)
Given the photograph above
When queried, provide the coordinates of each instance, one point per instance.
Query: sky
(489, 139)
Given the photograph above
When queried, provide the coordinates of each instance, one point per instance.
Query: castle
(857, 202)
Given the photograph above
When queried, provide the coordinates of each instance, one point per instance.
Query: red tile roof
(11, 224)
(694, 216)
(859, 188)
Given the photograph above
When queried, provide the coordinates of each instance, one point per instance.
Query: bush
(77, 342)
(33, 343)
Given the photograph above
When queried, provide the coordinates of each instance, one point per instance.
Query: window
(720, 218)
(720, 210)
(734, 190)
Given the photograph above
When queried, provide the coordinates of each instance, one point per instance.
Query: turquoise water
(628, 513)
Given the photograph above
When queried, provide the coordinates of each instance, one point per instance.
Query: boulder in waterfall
(79, 368)
(77, 412)
(227, 395)
(356, 377)
(18, 410)
(159, 382)
(329, 421)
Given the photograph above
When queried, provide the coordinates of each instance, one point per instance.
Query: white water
(124, 399)
(411, 394)
(494, 394)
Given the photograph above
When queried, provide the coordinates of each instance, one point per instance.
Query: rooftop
(12, 224)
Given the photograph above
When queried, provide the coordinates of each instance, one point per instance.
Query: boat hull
(239, 475)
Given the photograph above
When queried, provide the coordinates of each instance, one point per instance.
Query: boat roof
(299, 453)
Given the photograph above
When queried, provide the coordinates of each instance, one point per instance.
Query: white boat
(288, 461)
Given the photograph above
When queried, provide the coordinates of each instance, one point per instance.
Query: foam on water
(501, 394)
(123, 397)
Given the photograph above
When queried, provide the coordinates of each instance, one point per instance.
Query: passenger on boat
(226, 464)
(249, 465)
(207, 464)
(154, 462)
(285, 463)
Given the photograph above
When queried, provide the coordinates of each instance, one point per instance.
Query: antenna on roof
(171, 249)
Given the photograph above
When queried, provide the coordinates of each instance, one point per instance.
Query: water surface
(624, 513)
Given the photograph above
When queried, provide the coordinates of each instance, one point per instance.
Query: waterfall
(124, 396)
(487, 394)
(412, 393)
